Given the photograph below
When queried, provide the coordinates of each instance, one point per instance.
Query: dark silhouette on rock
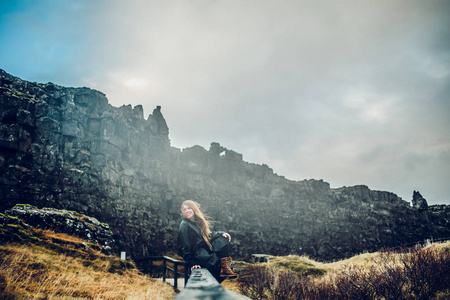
(68, 148)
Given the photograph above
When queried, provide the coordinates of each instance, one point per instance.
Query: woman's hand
(226, 235)
(195, 267)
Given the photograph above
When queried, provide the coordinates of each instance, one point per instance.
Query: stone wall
(68, 148)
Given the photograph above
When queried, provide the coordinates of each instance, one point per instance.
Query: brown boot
(226, 271)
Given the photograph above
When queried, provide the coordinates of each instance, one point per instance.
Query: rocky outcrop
(419, 202)
(68, 148)
(69, 222)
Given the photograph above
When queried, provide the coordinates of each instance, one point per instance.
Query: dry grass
(62, 237)
(387, 274)
(232, 285)
(64, 269)
(303, 263)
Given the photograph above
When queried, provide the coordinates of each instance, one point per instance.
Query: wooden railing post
(186, 273)
(165, 259)
(151, 266)
(164, 269)
(175, 275)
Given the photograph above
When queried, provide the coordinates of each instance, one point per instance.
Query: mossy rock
(9, 218)
(24, 205)
(12, 230)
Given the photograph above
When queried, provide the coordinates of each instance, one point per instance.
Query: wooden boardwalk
(202, 285)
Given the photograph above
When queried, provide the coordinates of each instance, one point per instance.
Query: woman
(200, 247)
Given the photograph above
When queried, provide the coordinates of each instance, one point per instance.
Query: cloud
(353, 92)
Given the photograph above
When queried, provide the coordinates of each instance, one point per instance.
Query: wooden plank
(202, 285)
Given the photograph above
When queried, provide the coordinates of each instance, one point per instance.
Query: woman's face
(188, 213)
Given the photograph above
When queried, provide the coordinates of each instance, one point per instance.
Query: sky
(349, 91)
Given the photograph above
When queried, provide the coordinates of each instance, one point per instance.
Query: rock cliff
(68, 148)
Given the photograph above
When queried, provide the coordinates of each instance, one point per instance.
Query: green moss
(16, 233)
(24, 205)
(9, 217)
(14, 226)
(19, 95)
(315, 272)
(76, 214)
(23, 232)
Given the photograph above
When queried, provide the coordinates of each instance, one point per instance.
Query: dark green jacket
(194, 250)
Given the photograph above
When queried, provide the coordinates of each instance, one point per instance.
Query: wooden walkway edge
(202, 285)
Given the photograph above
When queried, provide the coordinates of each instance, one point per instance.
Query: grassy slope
(303, 265)
(36, 264)
(306, 266)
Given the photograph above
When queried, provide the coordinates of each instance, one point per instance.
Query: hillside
(42, 264)
(402, 273)
(68, 148)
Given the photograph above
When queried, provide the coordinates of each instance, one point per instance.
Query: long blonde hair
(200, 220)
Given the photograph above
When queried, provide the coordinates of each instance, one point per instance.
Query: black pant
(211, 258)
(224, 248)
